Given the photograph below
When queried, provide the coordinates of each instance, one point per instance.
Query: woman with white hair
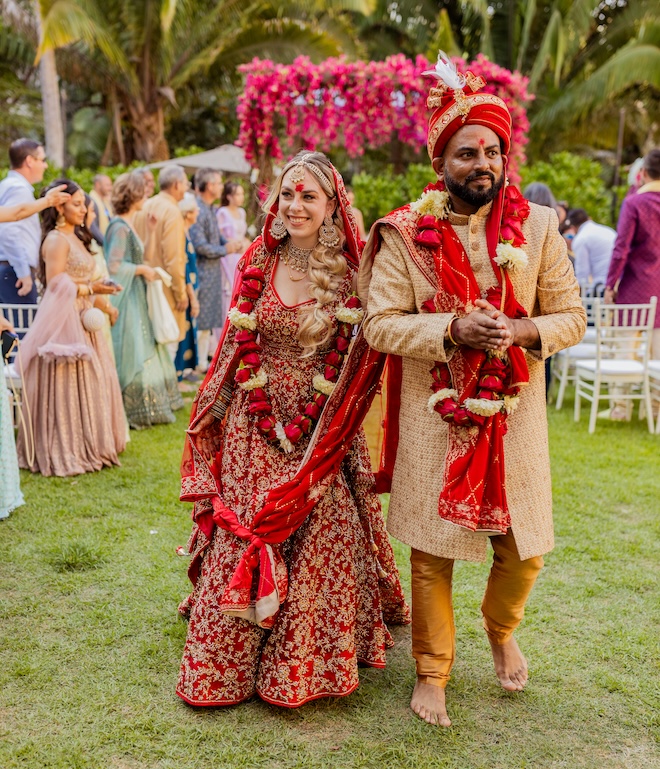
(294, 576)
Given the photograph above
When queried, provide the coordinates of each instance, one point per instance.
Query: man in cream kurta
(468, 155)
(170, 252)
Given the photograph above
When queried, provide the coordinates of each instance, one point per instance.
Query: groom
(471, 290)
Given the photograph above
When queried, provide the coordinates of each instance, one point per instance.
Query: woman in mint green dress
(146, 372)
(10, 489)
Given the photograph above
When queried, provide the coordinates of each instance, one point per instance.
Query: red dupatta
(288, 505)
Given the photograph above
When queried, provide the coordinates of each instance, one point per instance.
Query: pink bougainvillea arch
(356, 105)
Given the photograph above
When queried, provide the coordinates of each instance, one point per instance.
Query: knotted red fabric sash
(287, 505)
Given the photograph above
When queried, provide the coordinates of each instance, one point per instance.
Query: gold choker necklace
(296, 258)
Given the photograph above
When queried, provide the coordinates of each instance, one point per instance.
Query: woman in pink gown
(294, 576)
(233, 226)
(71, 396)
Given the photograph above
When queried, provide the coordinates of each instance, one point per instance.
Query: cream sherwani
(402, 278)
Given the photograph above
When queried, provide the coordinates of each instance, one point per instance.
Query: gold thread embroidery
(456, 110)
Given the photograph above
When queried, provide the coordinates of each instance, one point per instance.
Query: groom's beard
(474, 197)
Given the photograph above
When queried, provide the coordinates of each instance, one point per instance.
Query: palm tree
(51, 103)
(584, 58)
(144, 53)
(18, 97)
(619, 69)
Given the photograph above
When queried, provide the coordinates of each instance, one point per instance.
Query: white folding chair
(654, 384)
(623, 336)
(21, 317)
(563, 365)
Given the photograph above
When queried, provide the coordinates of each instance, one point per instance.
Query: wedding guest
(145, 368)
(149, 181)
(20, 239)
(86, 234)
(20, 211)
(71, 394)
(10, 487)
(209, 246)
(592, 246)
(233, 227)
(186, 356)
(169, 248)
(100, 196)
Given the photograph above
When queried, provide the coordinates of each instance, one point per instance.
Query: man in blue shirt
(592, 247)
(20, 241)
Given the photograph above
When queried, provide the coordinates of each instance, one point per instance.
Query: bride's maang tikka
(298, 174)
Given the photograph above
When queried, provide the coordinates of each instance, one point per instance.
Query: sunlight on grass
(91, 640)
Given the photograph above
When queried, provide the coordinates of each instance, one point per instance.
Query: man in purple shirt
(20, 241)
(592, 247)
(634, 274)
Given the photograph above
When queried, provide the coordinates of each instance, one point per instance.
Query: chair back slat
(624, 330)
(21, 317)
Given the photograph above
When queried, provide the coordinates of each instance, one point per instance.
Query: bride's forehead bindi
(300, 187)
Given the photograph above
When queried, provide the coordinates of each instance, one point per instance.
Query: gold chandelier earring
(61, 221)
(328, 233)
(278, 228)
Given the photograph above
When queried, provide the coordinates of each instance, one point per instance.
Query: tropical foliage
(618, 68)
(143, 54)
(574, 180)
(584, 58)
(19, 100)
(141, 76)
(377, 195)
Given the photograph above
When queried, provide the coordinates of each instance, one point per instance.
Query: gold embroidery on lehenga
(332, 617)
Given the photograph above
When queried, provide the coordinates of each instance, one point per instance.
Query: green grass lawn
(90, 640)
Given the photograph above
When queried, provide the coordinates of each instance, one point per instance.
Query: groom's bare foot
(510, 665)
(428, 702)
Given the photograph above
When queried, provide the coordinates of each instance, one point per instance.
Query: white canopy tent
(227, 158)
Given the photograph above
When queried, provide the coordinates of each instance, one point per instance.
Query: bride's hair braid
(326, 270)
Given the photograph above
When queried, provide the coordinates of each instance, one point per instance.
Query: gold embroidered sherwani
(402, 278)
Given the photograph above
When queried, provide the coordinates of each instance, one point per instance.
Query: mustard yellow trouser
(433, 633)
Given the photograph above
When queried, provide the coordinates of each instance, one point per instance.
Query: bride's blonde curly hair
(327, 266)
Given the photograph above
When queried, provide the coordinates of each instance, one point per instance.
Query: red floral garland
(252, 286)
(495, 372)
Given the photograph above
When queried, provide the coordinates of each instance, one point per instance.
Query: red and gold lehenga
(337, 605)
(294, 575)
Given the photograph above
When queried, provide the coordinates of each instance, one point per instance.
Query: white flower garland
(435, 202)
(285, 443)
(346, 315)
(440, 396)
(483, 406)
(242, 320)
(321, 384)
(511, 403)
(259, 379)
(510, 257)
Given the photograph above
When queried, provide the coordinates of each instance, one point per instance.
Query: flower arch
(356, 104)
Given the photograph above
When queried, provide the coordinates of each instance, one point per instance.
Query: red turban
(458, 100)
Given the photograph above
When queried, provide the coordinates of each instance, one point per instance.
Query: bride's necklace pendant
(296, 258)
